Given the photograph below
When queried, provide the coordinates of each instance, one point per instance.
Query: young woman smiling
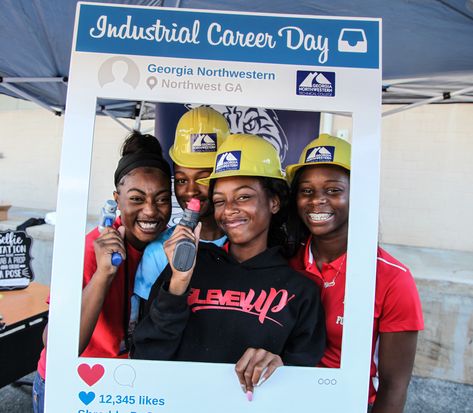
(143, 194)
(275, 315)
(318, 229)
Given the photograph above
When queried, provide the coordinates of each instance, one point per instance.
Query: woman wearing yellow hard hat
(241, 303)
(199, 133)
(318, 230)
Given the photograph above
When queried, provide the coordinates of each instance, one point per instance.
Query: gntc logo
(228, 161)
(320, 154)
(315, 83)
(203, 142)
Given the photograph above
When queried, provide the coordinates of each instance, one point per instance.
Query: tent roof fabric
(427, 46)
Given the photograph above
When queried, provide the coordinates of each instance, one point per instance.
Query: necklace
(328, 284)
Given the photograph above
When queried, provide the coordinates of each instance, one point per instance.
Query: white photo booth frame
(351, 83)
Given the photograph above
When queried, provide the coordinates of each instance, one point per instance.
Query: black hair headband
(136, 160)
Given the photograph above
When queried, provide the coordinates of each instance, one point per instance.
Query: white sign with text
(299, 63)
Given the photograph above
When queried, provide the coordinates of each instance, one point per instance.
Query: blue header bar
(233, 37)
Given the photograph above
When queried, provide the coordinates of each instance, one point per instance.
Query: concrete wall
(444, 280)
(426, 176)
(445, 348)
(30, 145)
(427, 179)
(30, 150)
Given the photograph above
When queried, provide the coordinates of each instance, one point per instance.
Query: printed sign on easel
(15, 260)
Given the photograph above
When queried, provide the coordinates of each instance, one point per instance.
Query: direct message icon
(125, 375)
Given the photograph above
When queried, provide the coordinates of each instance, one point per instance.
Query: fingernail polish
(243, 387)
(249, 395)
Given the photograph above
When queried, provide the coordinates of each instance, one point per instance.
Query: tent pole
(27, 96)
(118, 105)
(345, 114)
(117, 120)
(411, 91)
(391, 82)
(144, 132)
(326, 123)
(33, 79)
(465, 98)
(427, 101)
(140, 115)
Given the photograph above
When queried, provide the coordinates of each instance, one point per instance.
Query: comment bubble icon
(124, 375)
(151, 82)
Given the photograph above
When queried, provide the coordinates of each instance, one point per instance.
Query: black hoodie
(231, 306)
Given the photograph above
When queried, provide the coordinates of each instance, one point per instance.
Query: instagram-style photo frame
(289, 62)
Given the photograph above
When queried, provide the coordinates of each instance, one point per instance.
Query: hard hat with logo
(323, 150)
(199, 133)
(246, 155)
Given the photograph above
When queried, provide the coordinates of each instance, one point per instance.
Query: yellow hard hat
(323, 150)
(199, 133)
(245, 155)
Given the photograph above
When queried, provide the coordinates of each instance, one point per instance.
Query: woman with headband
(143, 194)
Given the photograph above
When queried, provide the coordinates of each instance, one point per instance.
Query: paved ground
(16, 399)
(439, 396)
(425, 396)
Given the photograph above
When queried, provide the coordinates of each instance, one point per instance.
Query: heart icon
(90, 375)
(87, 398)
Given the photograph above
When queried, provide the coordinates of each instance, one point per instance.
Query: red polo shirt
(397, 303)
(107, 338)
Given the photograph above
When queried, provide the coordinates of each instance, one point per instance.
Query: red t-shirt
(397, 304)
(109, 333)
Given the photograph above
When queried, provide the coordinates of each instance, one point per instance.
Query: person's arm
(396, 360)
(45, 335)
(94, 293)
(399, 323)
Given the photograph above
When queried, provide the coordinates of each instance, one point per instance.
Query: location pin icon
(151, 82)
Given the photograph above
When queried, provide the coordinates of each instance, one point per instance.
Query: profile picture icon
(119, 72)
